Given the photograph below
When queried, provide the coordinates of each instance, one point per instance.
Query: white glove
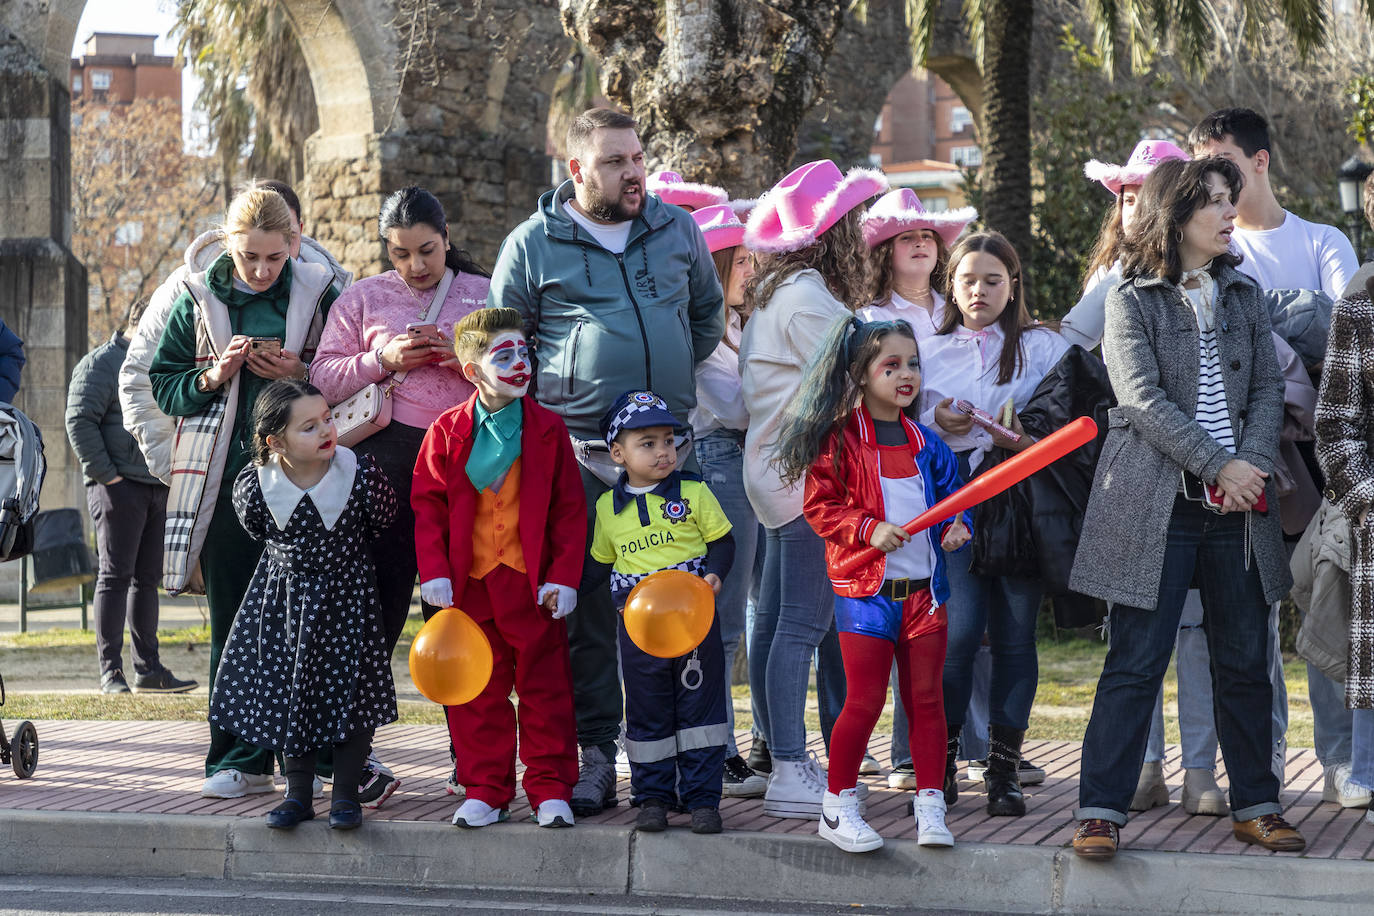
(438, 592)
(566, 598)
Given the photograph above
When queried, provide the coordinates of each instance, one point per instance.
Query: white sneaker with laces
(555, 812)
(930, 819)
(795, 789)
(231, 783)
(1338, 787)
(842, 824)
(474, 813)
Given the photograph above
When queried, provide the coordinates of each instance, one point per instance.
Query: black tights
(349, 757)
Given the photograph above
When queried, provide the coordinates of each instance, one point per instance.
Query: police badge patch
(676, 510)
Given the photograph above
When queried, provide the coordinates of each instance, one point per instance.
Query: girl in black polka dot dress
(306, 665)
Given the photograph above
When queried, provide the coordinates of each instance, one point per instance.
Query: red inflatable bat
(985, 486)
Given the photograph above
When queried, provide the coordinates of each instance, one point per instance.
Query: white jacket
(145, 421)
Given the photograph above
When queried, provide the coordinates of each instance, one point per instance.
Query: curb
(616, 861)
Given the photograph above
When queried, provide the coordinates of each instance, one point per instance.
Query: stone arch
(346, 44)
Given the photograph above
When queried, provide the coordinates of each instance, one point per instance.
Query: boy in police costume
(654, 518)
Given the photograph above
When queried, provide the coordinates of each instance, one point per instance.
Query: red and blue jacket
(844, 501)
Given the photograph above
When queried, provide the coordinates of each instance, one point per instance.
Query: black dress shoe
(162, 681)
(289, 813)
(345, 815)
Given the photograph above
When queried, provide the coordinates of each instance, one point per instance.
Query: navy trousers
(675, 725)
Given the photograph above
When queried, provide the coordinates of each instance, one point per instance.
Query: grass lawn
(1069, 667)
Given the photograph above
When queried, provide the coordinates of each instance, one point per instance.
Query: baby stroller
(22, 752)
(22, 468)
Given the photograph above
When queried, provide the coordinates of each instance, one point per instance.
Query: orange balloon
(669, 613)
(450, 660)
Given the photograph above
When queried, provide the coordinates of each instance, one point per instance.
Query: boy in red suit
(500, 531)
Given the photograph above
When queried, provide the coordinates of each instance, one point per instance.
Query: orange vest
(496, 528)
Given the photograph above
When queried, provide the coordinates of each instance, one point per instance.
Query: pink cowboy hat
(900, 210)
(796, 210)
(720, 225)
(671, 189)
(1146, 155)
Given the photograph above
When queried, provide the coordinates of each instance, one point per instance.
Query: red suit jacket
(553, 509)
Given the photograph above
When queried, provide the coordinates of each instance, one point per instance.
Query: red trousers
(919, 650)
(530, 655)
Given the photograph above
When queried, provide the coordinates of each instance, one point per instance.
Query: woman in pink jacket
(378, 329)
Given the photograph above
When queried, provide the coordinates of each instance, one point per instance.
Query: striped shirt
(1212, 414)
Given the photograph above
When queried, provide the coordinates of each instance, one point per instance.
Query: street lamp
(1351, 178)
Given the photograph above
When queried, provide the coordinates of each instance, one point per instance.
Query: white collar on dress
(330, 495)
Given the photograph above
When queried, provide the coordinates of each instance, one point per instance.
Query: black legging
(348, 770)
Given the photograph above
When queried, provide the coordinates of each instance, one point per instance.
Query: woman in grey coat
(1188, 456)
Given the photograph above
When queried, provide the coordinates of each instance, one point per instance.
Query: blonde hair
(261, 209)
(472, 334)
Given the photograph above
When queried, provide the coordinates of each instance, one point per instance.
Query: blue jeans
(1332, 724)
(722, 467)
(1196, 721)
(830, 683)
(1235, 620)
(1006, 608)
(796, 607)
(1362, 734)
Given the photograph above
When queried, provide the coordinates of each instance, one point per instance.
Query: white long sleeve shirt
(778, 342)
(963, 365)
(898, 309)
(720, 398)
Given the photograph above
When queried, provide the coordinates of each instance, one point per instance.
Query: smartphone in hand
(265, 345)
(422, 330)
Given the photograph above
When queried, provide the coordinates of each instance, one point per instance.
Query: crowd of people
(654, 376)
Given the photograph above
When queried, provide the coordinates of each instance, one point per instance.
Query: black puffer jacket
(1031, 530)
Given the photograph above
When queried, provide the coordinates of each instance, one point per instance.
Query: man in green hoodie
(618, 291)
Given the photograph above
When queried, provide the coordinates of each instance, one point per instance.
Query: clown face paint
(503, 373)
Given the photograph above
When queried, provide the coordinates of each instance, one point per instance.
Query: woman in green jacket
(250, 319)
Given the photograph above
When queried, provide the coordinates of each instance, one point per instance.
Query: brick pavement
(155, 768)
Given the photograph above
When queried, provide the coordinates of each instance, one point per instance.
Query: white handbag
(368, 410)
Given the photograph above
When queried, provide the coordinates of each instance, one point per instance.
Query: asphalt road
(28, 896)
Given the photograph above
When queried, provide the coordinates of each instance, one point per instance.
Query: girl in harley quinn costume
(869, 469)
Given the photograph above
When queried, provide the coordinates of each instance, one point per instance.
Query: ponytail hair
(829, 392)
(272, 412)
(410, 206)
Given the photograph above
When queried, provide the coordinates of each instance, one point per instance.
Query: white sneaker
(622, 763)
(474, 813)
(930, 819)
(842, 824)
(1338, 787)
(869, 766)
(231, 783)
(795, 789)
(554, 813)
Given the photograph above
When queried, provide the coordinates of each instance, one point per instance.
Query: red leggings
(867, 663)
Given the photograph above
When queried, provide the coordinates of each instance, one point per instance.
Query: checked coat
(1345, 448)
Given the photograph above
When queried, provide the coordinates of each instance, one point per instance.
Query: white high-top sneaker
(842, 824)
(930, 819)
(795, 789)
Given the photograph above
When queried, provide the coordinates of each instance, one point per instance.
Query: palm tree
(255, 85)
(1000, 32)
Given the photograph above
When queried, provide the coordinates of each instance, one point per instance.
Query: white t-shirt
(1297, 255)
(720, 397)
(611, 236)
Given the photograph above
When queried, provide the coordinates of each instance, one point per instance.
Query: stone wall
(472, 130)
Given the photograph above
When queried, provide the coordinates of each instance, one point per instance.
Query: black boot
(1002, 780)
(952, 764)
(760, 761)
